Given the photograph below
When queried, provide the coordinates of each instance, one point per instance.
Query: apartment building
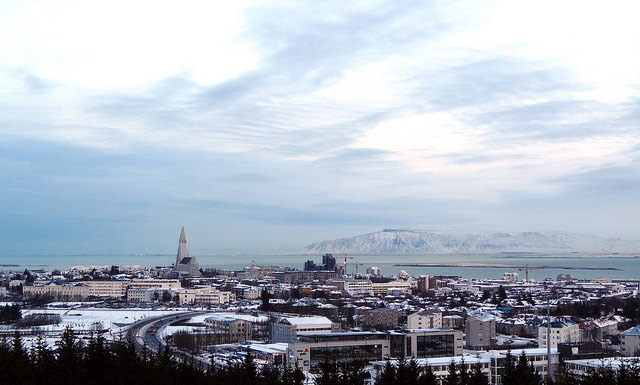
(561, 330)
(425, 319)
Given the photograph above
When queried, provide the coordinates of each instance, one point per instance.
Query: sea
(488, 266)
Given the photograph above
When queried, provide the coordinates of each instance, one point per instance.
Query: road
(147, 333)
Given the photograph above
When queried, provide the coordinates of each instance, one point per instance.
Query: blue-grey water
(626, 266)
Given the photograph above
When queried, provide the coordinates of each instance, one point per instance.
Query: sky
(263, 126)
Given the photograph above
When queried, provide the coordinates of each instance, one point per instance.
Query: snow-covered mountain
(408, 241)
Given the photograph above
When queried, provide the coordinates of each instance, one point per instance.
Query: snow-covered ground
(84, 321)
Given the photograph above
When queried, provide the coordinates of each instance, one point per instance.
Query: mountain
(408, 241)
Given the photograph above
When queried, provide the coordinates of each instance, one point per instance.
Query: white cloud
(126, 45)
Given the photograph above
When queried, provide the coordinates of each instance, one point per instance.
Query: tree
(327, 372)
(69, 356)
(521, 373)
(508, 371)
(477, 377)
(452, 376)
(427, 377)
(28, 277)
(265, 296)
(465, 376)
(502, 294)
(387, 376)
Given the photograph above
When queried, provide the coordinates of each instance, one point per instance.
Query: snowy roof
(634, 331)
(306, 320)
(484, 317)
(608, 362)
(227, 317)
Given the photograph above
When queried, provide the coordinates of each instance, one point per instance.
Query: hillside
(408, 241)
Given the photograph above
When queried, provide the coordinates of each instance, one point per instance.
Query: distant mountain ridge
(410, 241)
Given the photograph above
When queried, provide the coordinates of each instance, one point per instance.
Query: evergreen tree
(502, 294)
(249, 371)
(265, 297)
(524, 373)
(427, 377)
(69, 357)
(327, 372)
(477, 377)
(464, 375)
(20, 369)
(407, 372)
(298, 377)
(43, 361)
(98, 361)
(387, 375)
(509, 370)
(452, 376)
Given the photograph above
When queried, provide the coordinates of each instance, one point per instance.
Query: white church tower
(185, 265)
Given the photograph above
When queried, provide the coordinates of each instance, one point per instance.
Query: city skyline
(263, 127)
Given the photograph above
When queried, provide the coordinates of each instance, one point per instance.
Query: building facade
(481, 331)
(425, 319)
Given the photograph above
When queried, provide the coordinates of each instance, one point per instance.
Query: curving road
(146, 333)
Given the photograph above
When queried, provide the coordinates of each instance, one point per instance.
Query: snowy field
(84, 321)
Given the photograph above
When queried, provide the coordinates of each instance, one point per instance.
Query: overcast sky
(265, 126)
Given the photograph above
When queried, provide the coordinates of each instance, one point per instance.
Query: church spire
(185, 265)
(183, 247)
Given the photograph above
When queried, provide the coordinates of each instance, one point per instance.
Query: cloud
(311, 118)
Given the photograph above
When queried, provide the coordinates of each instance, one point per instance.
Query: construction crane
(345, 263)
(357, 264)
(526, 269)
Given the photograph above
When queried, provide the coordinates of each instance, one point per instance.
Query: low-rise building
(155, 283)
(491, 363)
(380, 319)
(630, 341)
(358, 287)
(288, 329)
(561, 330)
(229, 328)
(148, 294)
(59, 291)
(383, 287)
(205, 296)
(425, 319)
(107, 289)
(310, 350)
(294, 277)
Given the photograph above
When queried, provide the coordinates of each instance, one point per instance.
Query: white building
(205, 295)
(561, 330)
(630, 340)
(425, 319)
(110, 289)
(359, 287)
(491, 363)
(289, 328)
(155, 283)
(383, 287)
(511, 277)
(145, 294)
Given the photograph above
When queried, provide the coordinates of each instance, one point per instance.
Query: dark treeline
(410, 373)
(99, 363)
